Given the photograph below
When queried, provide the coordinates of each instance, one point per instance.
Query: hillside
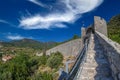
(29, 43)
(114, 28)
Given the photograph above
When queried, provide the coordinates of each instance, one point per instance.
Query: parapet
(100, 25)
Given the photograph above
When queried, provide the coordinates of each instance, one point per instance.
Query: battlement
(100, 56)
(100, 25)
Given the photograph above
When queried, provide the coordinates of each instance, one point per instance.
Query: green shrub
(42, 76)
(55, 60)
(43, 60)
(75, 37)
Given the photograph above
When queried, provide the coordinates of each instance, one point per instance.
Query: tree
(1, 55)
(75, 37)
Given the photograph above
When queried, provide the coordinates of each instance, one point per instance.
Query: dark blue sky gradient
(12, 10)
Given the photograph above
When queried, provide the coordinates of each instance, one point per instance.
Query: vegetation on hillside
(114, 28)
(29, 43)
(75, 37)
(55, 60)
(33, 44)
(26, 67)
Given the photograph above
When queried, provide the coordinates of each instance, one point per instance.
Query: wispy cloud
(3, 21)
(17, 37)
(50, 21)
(6, 22)
(38, 3)
(73, 8)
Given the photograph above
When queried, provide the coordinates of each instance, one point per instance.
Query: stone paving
(96, 66)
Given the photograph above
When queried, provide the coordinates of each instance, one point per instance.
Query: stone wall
(112, 53)
(70, 48)
(100, 25)
(83, 34)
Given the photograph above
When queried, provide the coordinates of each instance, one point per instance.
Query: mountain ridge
(29, 43)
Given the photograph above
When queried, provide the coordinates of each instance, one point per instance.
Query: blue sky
(51, 20)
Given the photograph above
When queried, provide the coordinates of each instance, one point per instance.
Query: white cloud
(59, 25)
(72, 10)
(17, 37)
(38, 3)
(39, 22)
(82, 6)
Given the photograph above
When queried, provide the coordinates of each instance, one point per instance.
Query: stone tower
(100, 25)
(83, 34)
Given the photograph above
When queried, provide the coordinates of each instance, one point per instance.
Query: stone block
(100, 25)
(119, 76)
(114, 70)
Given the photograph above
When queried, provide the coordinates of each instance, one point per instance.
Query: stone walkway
(95, 67)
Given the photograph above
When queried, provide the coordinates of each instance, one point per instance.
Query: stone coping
(115, 45)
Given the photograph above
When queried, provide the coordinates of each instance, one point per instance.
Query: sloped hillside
(29, 43)
(114, 28)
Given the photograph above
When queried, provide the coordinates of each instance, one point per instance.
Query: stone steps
(96, 66)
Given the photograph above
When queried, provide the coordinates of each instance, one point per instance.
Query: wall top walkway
(115, 45)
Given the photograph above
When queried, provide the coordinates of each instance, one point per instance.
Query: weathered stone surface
(102, 61)
(96, 66)
(103, 56)
(114, 69)
(71, 48)
(113, 54)
(119, 76)
(83, 34)
(100, 25)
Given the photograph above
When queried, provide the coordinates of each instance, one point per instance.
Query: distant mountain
(114, 28)
(24, 43)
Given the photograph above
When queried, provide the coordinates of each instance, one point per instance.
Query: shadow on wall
(113, 55)
(103, 71)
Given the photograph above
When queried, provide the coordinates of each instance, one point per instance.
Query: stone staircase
(95, 65)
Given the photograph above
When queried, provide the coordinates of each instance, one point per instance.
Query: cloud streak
(17, 37)
(73, 8)
(6, 22)
(50, 21)
(38, 3)
(3, 21)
